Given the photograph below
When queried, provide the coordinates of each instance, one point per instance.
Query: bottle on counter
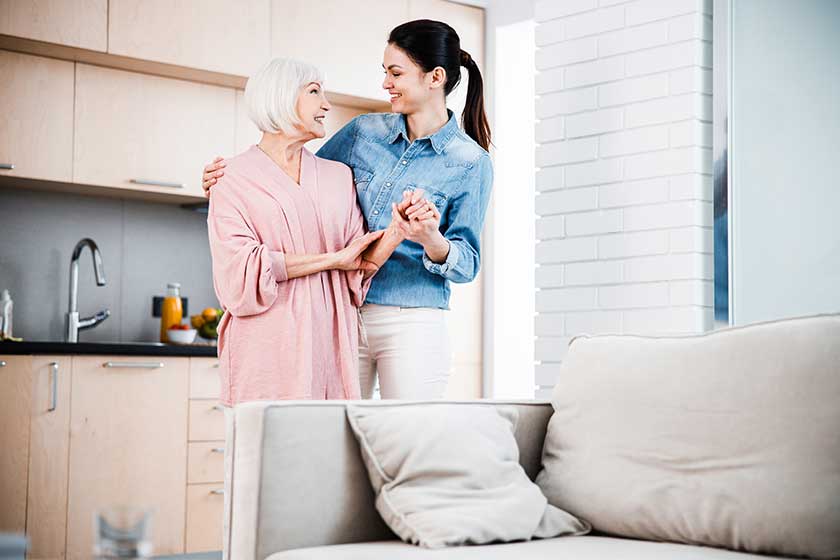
(6, 305)
(171, 311)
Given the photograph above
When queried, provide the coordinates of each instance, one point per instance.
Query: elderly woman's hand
(212, 172)
(350, 258)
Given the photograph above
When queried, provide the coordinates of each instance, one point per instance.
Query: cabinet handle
(216, 365)
(157, 183)
(134, 365)
(217, 450)
(2, 363)
(217, 491)
(7, 165)
(219, 407)
(54, 398)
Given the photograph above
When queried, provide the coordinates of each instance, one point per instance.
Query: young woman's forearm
(382, 249)
(437, 248)
(304, 265)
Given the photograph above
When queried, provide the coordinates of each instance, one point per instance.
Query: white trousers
(407, 348)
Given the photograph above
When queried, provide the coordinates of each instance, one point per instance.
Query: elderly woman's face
(312, 107)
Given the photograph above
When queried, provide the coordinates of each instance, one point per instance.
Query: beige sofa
(299, 490)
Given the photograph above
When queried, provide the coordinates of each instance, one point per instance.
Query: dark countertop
(107, 348)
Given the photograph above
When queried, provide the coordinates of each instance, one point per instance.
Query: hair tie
(465, 58)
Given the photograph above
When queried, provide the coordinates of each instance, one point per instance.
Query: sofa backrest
(298, 479)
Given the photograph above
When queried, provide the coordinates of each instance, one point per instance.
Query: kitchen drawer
(207, 420)
(205, 507)
(206, 462)
(204, 378)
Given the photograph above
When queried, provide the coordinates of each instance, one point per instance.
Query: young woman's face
(409, 87)
(312, 107)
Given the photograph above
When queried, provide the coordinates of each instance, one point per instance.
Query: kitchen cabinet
(49, 447)
(205, 468)
(218, 35)
(140, 132)
(36, 123)
(344, 39)
(74, 23)
(128, 445)
(16, 389)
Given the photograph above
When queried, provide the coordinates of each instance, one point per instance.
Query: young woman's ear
(438, 77)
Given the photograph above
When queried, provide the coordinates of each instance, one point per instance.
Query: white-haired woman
(291, 259)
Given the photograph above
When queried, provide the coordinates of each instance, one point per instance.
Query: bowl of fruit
(181, 334)
(207, 322)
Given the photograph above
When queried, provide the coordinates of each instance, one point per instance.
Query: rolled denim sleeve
(464, 222)
(340, 144)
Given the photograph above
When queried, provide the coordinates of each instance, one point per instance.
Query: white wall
(508, 250)
(624, 237)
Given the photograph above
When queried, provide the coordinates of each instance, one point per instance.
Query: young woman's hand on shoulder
(212, 173)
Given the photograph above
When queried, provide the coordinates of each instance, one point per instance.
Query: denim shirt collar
(439, 139)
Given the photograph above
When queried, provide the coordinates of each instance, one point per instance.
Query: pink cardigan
(282, 338)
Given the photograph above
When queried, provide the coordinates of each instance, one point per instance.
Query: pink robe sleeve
(355, 279)
(245, 271)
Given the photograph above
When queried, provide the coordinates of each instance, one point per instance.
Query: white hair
(271, 93)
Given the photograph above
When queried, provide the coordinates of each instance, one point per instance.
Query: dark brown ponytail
(433, 43)
(474, 117)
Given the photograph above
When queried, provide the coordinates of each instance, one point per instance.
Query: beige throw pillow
(448, 474)
(729, 439)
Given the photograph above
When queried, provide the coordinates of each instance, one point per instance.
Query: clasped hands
(414, 219)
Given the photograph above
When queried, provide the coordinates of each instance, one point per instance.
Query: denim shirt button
(404, 162)
(376, 212)
(387, 184)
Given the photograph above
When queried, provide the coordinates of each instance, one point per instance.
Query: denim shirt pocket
(438, 198)
(362, 178)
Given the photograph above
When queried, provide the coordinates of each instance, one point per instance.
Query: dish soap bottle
(6, 304)
(171, 311)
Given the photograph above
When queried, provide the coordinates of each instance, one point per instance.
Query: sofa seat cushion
(561, 548)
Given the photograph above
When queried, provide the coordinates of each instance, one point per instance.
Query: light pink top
(281, 338)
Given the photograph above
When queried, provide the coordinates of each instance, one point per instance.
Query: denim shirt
(456, 175)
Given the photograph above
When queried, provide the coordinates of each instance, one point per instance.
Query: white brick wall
(624, 238)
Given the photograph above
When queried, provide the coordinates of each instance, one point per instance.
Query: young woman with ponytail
(417, 171)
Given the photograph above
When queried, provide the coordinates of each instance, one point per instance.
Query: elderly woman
(291, 259)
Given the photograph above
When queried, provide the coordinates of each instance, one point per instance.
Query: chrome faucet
(74, 324)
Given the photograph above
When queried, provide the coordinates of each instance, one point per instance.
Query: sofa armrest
(297, 478)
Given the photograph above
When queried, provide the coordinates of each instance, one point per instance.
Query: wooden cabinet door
(205, 507)
(46, 512)
(135, 129)
(219, 35)
(345, 40)
(75, 23)
(36, 120)
(128, 445)
(15, 403)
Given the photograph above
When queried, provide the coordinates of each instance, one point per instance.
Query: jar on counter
(171, 310)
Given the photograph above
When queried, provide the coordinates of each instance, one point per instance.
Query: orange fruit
(210, 314)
